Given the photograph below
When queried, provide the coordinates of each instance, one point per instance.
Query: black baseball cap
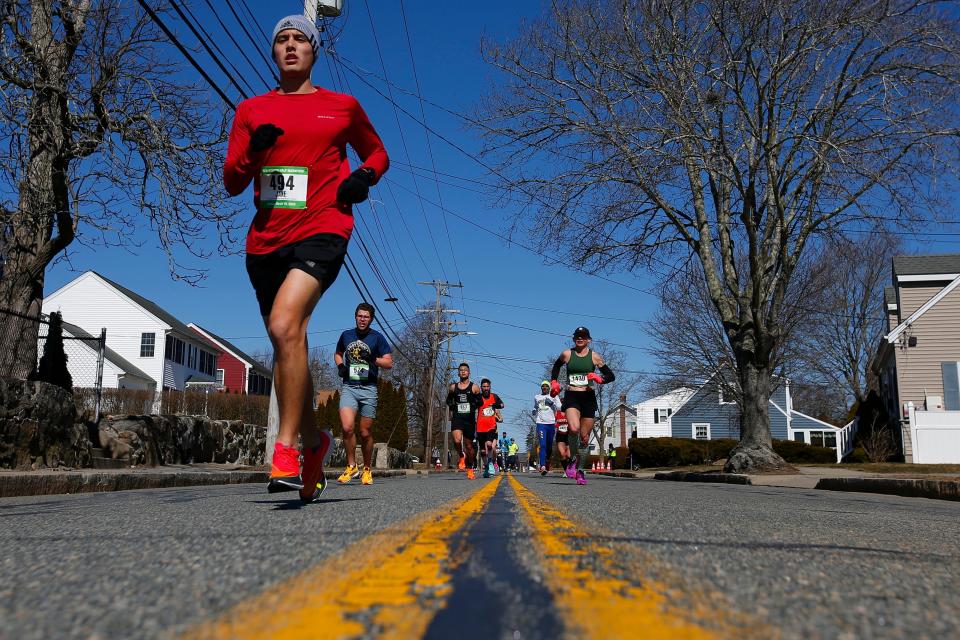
(581, 332)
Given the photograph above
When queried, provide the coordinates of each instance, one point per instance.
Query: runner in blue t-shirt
(360, 354)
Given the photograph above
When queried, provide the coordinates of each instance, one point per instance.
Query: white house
(139, 331)
(654, 416)
(118, 372)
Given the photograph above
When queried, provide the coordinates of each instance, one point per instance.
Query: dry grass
(896, 467)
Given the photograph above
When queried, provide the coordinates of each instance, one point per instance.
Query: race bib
(359, 372)
(283, 188)
(463, 407)
(488, 411)
(578, 380)
(562, 428)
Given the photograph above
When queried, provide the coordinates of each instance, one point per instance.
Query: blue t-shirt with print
(360, 354)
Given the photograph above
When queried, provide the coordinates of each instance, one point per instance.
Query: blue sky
(409, 242)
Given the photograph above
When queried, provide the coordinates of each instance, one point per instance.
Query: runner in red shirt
(291, 143)
(488, 415)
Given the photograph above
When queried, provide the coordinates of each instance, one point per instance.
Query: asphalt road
(801, 563)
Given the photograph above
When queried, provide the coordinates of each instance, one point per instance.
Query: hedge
(676, 452)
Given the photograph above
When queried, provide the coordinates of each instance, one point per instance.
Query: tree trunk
(20, 303)
(755, 450)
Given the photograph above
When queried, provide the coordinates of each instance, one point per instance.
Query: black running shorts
(584, 401)
(321, 256)
(468, 427)
(486, 436)
(561, 436)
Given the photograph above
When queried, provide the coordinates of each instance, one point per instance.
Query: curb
(616, 474)
(690, 476)
(28, 484)
(933, 489)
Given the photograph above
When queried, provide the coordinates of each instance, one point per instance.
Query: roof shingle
(923, 265)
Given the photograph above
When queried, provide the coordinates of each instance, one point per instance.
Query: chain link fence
(85, 356)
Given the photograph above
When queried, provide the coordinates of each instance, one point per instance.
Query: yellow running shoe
(349, 474)
(367, 476)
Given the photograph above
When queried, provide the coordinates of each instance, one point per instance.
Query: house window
(210, 364)
(609, 432)
(798, 436)
(220, 378)
(147, 342)
(661, 415)
(826, 439)
(950, 372)
(168, 348)
(701, 430)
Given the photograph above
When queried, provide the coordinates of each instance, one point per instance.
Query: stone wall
(168, 439)
(38, 427)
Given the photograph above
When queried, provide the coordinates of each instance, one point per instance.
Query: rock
(166, 439)
(750, 458)
(38, 427)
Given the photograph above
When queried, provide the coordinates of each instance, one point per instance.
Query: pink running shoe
(581, 478)
(570, 470)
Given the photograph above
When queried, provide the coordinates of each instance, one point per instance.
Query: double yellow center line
(391, 584)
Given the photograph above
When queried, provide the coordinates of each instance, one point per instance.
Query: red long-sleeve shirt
(316, 130)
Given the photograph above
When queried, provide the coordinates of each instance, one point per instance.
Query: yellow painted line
(388, 585)
(590, 591)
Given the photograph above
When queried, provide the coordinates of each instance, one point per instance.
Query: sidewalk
(53, 481)
(918, 485)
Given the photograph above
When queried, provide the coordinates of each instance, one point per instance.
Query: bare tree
(731, 133)
(101, 139)
(412, 367)
(839, 343)
(323, 371)
(608, 395)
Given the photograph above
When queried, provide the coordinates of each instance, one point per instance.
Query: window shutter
(951, 385)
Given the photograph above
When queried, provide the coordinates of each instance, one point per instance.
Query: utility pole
(447, 369)
(435, 338)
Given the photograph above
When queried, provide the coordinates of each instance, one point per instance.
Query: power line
(203, 43)
(186, 54)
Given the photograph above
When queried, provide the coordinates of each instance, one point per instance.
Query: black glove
(264, 137)
(342, 370)
(356, 187)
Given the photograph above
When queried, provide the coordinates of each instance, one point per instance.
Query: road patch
(603, 593)
(388, 585)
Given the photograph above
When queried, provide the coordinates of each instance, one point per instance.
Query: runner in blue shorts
(361, 353)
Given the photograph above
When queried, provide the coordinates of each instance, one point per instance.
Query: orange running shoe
(470, 474)
(285, 469)
(314, 460)
(462, 464)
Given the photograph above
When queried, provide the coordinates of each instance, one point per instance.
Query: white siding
(646, 426)
(91, 304)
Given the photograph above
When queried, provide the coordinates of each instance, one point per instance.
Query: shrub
(857, 455)
(675, 452)
(53, 363)
(801, 452)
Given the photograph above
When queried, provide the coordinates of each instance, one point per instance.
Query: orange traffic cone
(608, 464)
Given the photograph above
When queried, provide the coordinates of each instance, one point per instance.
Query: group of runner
(475, 412)
(576, 413)
(291, 144)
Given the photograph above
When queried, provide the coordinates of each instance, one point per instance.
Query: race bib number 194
(283, 188)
